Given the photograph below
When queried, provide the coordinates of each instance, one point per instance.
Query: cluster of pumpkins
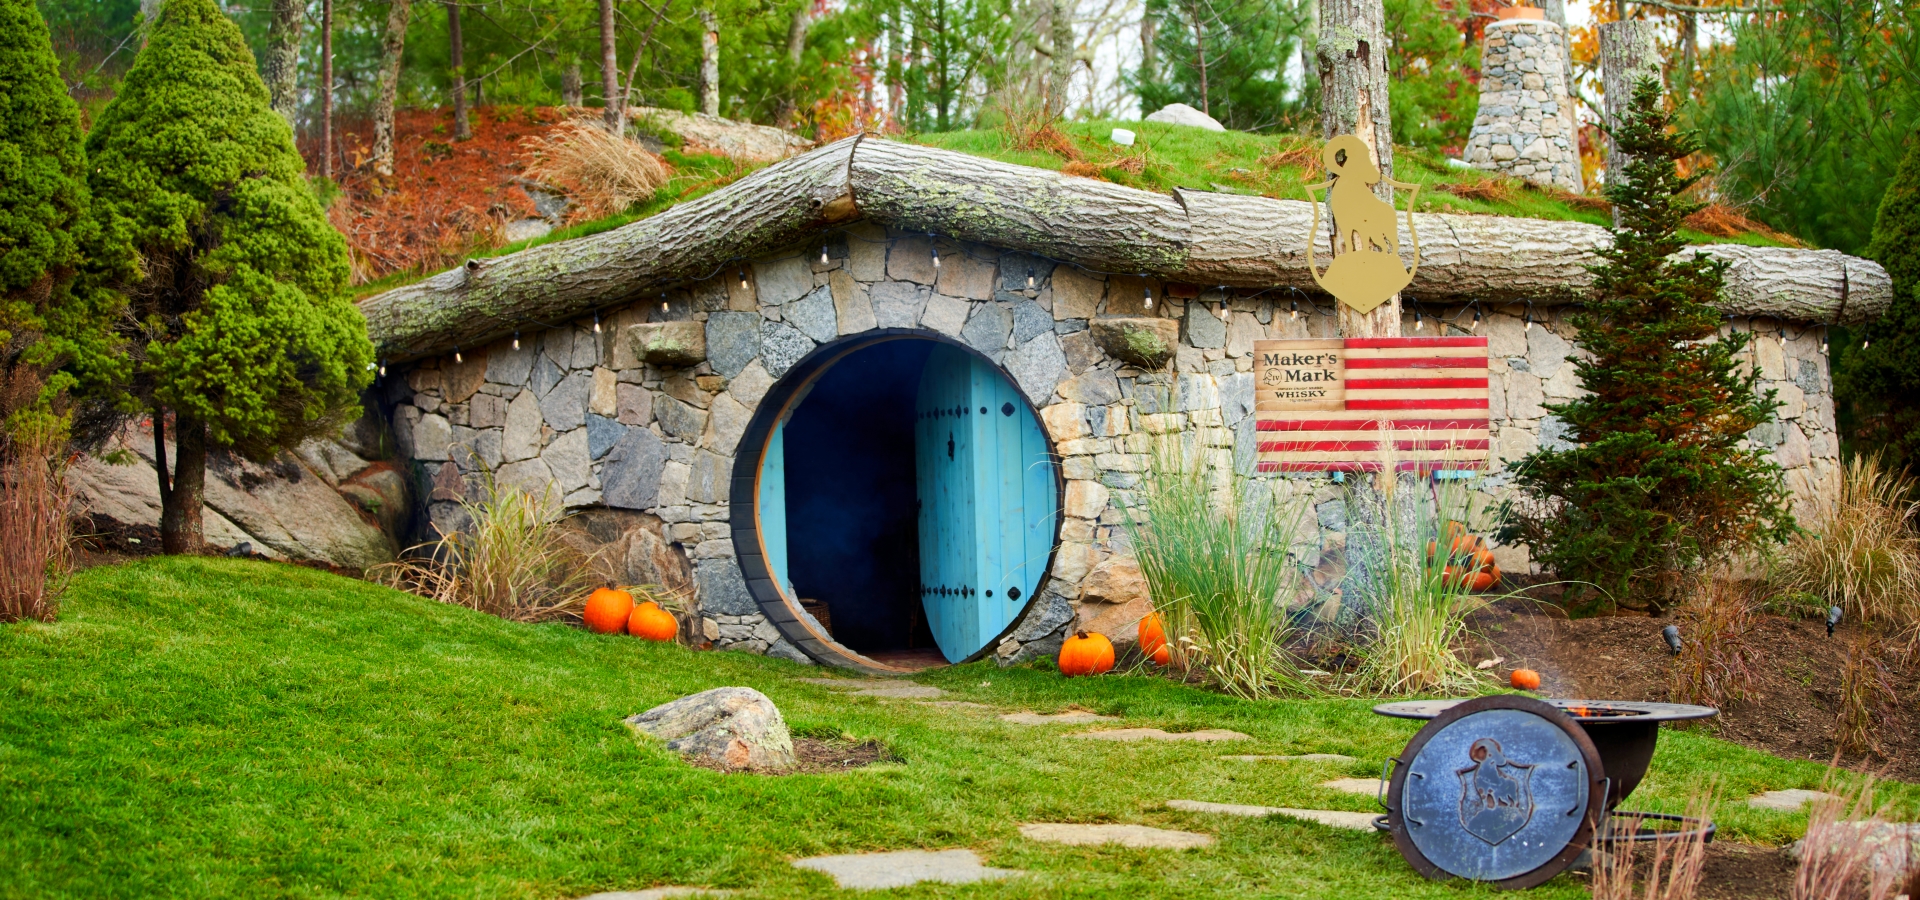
(610, 610)
(1091, 653)
(1468, 562)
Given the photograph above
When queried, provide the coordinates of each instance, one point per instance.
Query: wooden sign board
(1416, 404)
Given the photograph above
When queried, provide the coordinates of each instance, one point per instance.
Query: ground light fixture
(1833, 619)
(1672, 635)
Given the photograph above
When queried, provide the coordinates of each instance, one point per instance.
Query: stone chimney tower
(1526, 125)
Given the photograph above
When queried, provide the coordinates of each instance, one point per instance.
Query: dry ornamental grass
(1859, 550)
(36, 553)
(601, 172)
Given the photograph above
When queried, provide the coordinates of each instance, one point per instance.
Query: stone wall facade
(645, 452)
(1526, 126)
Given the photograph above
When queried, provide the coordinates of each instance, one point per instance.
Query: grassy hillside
(200, 727)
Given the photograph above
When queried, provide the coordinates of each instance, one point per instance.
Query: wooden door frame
(743, 497)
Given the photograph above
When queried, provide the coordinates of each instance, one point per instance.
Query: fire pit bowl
(1624, 731)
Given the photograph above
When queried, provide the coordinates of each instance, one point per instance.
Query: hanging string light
(1419, 321)
(456, 355)
(823, 254)
(1149, 295)
(1029, 278)
(383, 368)
(743, 279)
(1476, 320)
(1294, 312)
(663, 301)
(516, 339)
(596, 323)
(936, 250)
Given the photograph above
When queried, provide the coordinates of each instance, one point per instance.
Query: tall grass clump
(514, 563)
(1867, 696)
(1836, 863)
(1860, 550)
(1674, 872)
(1717, 662)
(1401, 534)
(36, 551)
(1213, 546)
(603, 173)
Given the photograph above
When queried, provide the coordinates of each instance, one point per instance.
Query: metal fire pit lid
(1584, 711)
(1502, 789)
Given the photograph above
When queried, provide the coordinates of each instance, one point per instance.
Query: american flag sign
(1356, 404)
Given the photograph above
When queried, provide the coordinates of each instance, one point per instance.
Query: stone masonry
(1525, 127)
(644, 452)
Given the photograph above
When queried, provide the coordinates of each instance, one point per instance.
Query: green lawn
(224, 728)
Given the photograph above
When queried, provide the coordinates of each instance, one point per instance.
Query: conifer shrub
(1657, 486)
(1881, 381)
(242, 330)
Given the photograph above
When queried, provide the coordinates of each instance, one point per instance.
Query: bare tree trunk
(283, 57)
(457, 55)
(149, 11)
(392, 45)
(1689, 52)
(709, 62)
(1353, 100)
(1556, 11)
(609, 68)
(1627, 55)
(326, 89)
(1309, 41)
(181, 496)
(1200, 54)
(1060, 74)
(1149, 61)
(796, 50)
(570, 89)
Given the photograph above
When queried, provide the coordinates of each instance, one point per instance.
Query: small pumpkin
(1525, 679)
(1484, 579)
(649, 622)
(607, 610)
(1086, 654)
(1153, 634)
(1162, 655)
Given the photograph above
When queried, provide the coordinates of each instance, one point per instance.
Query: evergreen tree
(1227, 58)
(44, 225)
(240, 324)
(1883, 380)
(1656, 486)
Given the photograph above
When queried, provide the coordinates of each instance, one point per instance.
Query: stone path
(1304, 757)
(1155, 734)
(1368, 786)
(955, 704)
(1787, 801)
(659, 893)
(1135, 836)
(874, 687)
(874, 871)
(1070, 717)
(1333, 818)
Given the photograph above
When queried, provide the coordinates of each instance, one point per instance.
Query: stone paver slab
(1065, 718)
(659, 893)
(1789, 800)
(1333, 818)
(1135, 836)
(1155, 734)
(874, 871)
(955, 704)
(901, 692)
(1367, 786)
(1304, 757)
(841, 682)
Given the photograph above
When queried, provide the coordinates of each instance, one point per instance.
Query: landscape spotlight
(1672, 634)
(1833, 618)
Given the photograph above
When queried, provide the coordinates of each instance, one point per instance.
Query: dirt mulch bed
(1788, 712)
(1742, 872)
(819, 756)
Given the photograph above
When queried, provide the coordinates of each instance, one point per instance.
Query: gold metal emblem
(1366, 269)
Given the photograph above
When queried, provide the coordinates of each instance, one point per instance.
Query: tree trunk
(393, 45)
(709, 62)
(182, 496)
(1353, 100)
(609, 69)
(457, 76)
(796, 51)
(326, 89)
(1149, 61)
(1060, 72)
(570, 87)
(1556, 12)
(283, 57)
(1200, 57)
(149, 11)
(1689, 53)
(1627, 54)
(1309, 41)
(1196, 237)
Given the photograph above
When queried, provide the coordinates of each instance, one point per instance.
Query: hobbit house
(882, 405)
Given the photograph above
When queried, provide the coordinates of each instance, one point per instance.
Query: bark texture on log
(1627, 54)
(1196, 237)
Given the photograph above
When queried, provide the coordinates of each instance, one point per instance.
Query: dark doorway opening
(852, 534)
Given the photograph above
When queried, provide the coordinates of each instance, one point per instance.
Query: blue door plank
(773, 507)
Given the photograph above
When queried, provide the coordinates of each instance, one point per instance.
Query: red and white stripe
(1426, 398)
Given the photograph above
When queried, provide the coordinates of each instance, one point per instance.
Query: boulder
(1182, 114)
(735, 140)
(732, 727)
(669, 344)
(1138, 341)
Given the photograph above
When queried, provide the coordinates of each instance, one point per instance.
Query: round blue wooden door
(987, 498)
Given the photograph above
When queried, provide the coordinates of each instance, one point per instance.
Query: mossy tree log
(1195, 237)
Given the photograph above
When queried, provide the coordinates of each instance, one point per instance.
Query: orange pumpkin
(1162, 655)
(608, 609)
(648, 621)
(1153, 634)
(1086, 654)
(1525, 679)
(1483, 580)
(1482, 560)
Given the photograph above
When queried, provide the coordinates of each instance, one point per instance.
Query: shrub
(1860, 551)
(1881, 381)
(515, 563)
(602, 172)
(1656, 487)
(1213, 546)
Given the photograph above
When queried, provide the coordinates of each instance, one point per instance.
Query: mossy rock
(1144, 342)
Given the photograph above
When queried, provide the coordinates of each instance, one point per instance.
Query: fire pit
(1624, 731)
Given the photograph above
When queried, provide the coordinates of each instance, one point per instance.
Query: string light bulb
(1476, 321)
(936, 251)
(1149, 296)
(823, 254)
(596, 323)
(743, 279)
(663, 301)
(1029, 278)
(516, 340)
(456, 355)
(1419, 321)
(383, 368)
(1865, 344)
(1294, 313)
(1529, 321)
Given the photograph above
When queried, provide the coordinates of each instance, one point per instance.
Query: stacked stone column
(1526, 127)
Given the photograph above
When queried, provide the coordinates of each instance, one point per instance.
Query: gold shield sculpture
(1366, 268)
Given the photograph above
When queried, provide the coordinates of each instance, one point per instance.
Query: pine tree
(44, 225)
(1883, 380)
(1657, 485)
(240, 322)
